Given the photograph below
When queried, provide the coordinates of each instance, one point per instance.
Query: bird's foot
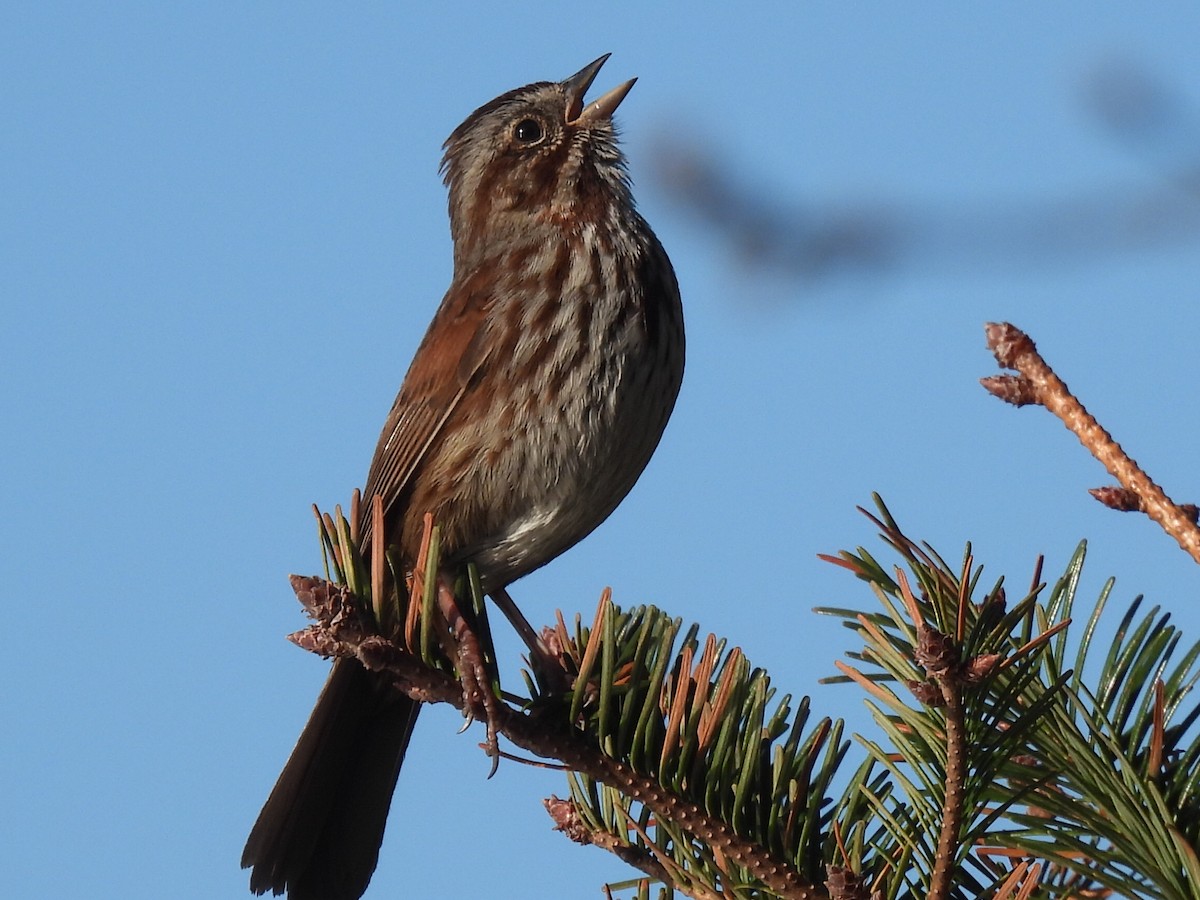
(479, 695)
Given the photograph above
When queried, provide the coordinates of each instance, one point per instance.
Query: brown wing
(450, 357)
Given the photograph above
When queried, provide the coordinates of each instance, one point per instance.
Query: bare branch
(1015, 350)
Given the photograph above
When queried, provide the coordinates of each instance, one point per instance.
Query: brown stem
(940, 657)
(1015, 350)
(567, 820)
(952, 805)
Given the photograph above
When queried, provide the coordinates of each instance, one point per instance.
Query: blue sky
(222, 235)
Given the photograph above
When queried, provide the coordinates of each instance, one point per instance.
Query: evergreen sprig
(1099, 783)
(1017, 755)
(706, 726)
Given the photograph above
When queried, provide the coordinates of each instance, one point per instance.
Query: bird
(532, 405)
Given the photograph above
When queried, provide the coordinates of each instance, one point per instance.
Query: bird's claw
(479, 697)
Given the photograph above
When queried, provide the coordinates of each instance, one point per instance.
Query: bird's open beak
(602, 108)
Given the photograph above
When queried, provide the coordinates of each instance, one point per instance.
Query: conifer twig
(339, 630)
(939, 655)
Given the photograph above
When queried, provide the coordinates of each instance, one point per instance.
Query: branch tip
(1008, 343)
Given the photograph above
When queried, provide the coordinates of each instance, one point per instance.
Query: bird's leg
(478, 695)
(544, 663)
(521, 624)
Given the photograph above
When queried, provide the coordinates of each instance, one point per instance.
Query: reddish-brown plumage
(530, 409)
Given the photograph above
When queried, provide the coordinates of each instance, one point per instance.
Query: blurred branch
(810, 241)
(1150, 118)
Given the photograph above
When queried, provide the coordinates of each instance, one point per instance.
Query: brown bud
(845, 884)
(1015, 389)
(567, 819)
(1117, 498)
(980, 667)
(927, 692)
(1008, 343)
(935, 652)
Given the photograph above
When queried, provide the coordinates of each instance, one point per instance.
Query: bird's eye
(528, 131)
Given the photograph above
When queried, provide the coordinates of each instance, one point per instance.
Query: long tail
(319, 833)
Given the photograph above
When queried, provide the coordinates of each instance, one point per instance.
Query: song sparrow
(530, 409)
